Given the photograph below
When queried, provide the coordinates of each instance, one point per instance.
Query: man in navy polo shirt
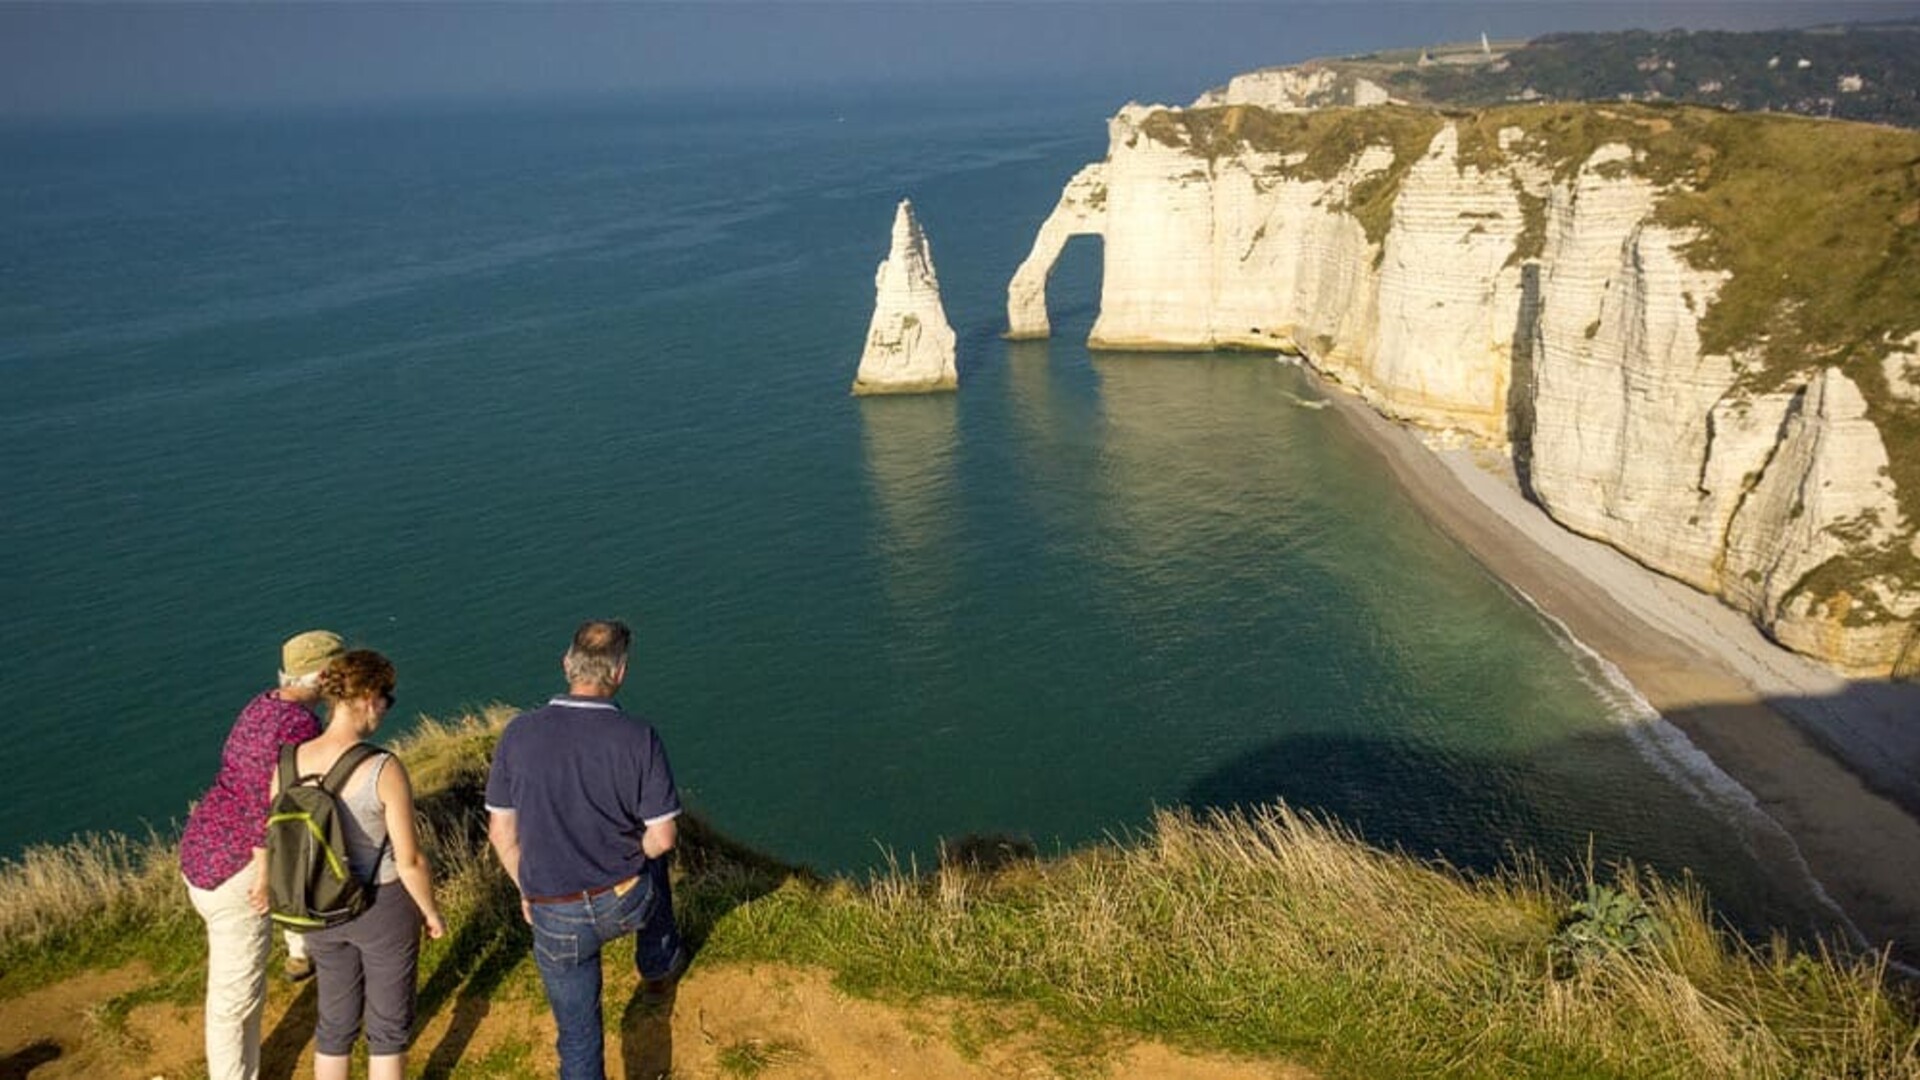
(581, 808)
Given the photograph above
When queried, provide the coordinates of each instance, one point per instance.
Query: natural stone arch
(1082, 211)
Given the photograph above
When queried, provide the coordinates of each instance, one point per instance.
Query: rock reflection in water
(911, 454)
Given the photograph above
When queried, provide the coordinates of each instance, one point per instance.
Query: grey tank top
(366, 827)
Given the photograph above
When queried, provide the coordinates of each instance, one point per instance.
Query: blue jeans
(566, 948)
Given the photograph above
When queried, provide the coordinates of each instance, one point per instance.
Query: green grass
(748, 1058)
(98, 902)
(1270, 933)
(508, 1059)
(107, 1020)
(1277, 934)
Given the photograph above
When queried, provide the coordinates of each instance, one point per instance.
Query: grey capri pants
(367, 967)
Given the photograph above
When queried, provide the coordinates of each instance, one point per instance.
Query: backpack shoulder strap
(343, 768)
(289, 772)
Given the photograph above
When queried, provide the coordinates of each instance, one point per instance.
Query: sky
(99, 59)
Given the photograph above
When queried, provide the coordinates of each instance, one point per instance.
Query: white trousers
(237, 944)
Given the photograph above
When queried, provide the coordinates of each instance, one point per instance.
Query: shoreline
(1825, 761)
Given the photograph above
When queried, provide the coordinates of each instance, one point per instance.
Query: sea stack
(909, 343)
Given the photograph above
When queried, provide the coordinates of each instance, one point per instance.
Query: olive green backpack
(310, 885)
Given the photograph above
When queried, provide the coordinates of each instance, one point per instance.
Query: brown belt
(618, 888)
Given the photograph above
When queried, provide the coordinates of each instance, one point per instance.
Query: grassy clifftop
(1269, 933)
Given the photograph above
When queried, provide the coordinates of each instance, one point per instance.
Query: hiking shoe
(299, 969)
(657, 992)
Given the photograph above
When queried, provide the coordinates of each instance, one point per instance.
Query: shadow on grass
(481, 954)
(280, 1052)
(21, 1063)
(716, 876)
(646, 1037)
(488, 940)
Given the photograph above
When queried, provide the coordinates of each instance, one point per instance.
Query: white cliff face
(1295, 89)
(1642, 439)
(1284, 268)
(1622, 394)
(1288, 89)
(910, 345)
(1550, 311)
(1449, 295)
(1824, 495)
(1226, 253)
(1367, 92)
(1157, 273)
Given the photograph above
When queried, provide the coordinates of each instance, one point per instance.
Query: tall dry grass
(1268, 932)
(1274, 931)
(101, 881)
(448, 762)
(105, 898)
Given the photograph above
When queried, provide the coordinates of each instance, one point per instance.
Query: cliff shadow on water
(1842, 871)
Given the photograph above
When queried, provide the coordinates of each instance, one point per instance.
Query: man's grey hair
(598, 652)
(305, 682)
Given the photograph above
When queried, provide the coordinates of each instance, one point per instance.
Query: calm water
(449, 383)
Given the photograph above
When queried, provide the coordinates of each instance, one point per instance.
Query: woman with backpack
(366, 967)
(217, 849)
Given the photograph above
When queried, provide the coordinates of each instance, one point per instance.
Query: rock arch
(1081, 211)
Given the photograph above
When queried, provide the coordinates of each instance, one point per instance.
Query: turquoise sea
(450, 381)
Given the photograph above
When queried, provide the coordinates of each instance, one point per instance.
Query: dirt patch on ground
(791, 1024)
(771, 1022)
(46, 1034)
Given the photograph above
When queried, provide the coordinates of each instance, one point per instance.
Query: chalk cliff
(909, 342)
(1293, 89)
(1551, 279)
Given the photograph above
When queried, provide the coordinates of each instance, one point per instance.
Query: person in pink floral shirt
(216, 854)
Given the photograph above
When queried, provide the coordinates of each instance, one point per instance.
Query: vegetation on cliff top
(1321, 144)
(1868, 72)
(1269, 932)
(1815, 225)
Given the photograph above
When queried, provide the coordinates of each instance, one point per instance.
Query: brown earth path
(772, 1022)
